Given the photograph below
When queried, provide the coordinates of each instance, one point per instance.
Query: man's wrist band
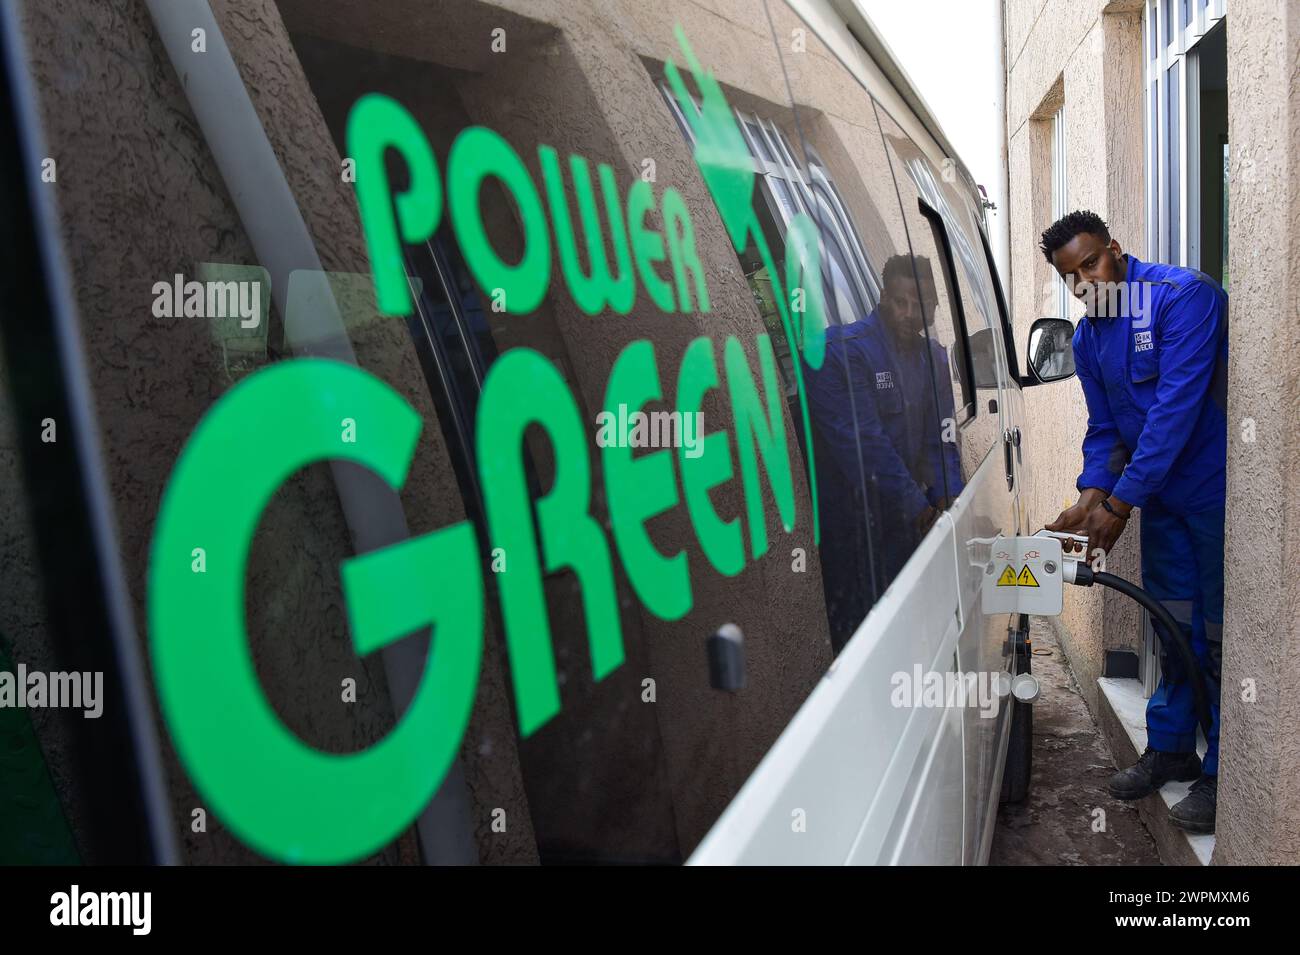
(1105, 502)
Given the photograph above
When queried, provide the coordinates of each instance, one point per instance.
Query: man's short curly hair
(1068, 226)
(901, 267)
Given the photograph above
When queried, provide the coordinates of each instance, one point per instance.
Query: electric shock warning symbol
(1009, 578)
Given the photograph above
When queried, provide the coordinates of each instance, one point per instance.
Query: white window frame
(1060, 200)
(1180, 50)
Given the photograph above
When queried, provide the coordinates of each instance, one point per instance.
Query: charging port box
(1023, 575)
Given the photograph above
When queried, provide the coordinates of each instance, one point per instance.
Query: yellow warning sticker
(1026, 578)
(1008, 578)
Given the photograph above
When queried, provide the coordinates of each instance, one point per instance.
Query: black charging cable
(1166, 628)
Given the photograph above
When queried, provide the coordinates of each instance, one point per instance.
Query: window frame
(1060, 198)
(1171, 125)
(87, 606)
(968, 408)
(1004, 316)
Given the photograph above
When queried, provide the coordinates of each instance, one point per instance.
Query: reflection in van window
(876, 407)
(942, 224)
(636, 765)
(880, 397)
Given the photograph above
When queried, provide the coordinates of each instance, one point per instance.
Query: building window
(1186, 121)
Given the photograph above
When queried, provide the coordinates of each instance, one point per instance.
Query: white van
(501, 431)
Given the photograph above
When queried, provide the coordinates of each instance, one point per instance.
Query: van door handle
(1007, 444)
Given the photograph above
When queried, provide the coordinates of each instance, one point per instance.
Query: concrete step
(1123, 723)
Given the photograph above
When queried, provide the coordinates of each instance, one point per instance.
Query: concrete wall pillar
(1259, 799)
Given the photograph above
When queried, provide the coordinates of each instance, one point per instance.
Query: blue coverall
(873, 409)
(1155, 379)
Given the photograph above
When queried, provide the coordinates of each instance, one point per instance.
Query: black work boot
(1195, 811)
(1151, 772)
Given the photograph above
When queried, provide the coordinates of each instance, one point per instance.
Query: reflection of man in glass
(884, 473)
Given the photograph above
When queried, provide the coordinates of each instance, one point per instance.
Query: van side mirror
(1051, 353)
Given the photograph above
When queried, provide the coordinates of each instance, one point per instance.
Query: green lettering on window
(640, 488)
(275, 792)
(477, 154)
(523, 388)
(375, 125)
(759, 436)
(592, 292)
(721, 541)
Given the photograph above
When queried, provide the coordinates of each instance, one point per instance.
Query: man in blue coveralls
(1152, 357)
(886, 473)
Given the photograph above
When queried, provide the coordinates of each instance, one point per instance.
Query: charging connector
(1076, 572)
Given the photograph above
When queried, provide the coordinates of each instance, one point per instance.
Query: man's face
(901, 307)
(1096, 266)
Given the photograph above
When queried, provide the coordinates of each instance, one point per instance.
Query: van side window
(638, 763)
(585, 343)
(940, 226)
(880, 460)
(937, 189)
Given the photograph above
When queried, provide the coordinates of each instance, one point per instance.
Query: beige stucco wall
(1055, 47)
(1086, 55)
(1259, 792)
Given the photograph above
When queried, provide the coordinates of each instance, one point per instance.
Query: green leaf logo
(727, 168)
(720, 148)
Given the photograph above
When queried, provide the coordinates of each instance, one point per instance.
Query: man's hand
(1103, 527)
(1074, 519)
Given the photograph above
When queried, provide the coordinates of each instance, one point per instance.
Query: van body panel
(832, 753)
(946, 760)
(849, 755)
